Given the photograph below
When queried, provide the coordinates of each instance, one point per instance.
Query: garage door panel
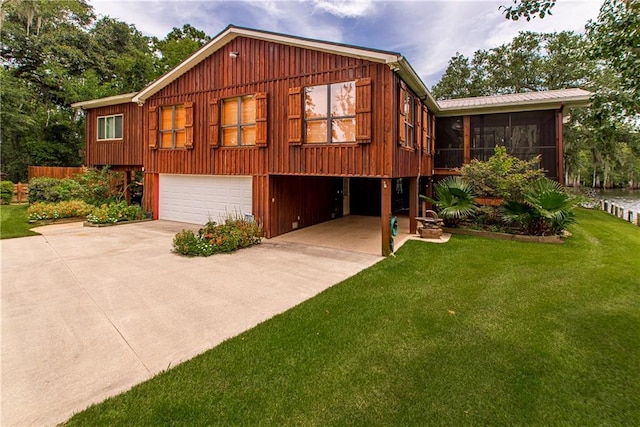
(196, 199)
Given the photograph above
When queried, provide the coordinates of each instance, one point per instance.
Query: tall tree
(177, 46)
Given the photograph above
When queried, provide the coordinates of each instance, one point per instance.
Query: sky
(427, 32)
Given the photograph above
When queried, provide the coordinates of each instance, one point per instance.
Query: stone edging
(89, 224)
(504, 236)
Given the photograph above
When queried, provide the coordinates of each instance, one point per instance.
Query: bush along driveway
(475, 332)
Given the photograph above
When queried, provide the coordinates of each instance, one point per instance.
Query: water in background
(627, 199)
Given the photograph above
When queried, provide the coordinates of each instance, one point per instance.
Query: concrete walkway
(89, 312)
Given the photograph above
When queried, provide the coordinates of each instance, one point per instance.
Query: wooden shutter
(188, 125)
(153, 127)
(425, 130)
(261, 119)
(214, 119)
(402, 137)
(432, 147)
(295, 115)
(363, 111)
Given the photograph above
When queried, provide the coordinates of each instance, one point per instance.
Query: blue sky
(427, 32)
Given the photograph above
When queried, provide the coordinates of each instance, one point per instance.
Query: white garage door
(196, 198)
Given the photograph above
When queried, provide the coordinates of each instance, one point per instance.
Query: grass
(13, 222)
(473, 332)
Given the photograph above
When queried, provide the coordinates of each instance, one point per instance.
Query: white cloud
(345, 8)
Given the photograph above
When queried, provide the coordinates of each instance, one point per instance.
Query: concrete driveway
(89, 312)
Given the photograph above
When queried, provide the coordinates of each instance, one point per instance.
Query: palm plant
(547, 208)
(454, 199)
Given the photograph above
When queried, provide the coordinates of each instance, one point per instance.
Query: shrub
(102, 186)
(65, 209)
(6, 192)
(502, 176)
(218, 238)
(454, 200)
(114, 212)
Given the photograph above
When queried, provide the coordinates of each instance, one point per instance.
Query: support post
(413, 204)
(559, 147)
(385, 217)
(466, 139)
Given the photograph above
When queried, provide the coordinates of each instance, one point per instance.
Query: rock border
(111, 224)
(504, 236)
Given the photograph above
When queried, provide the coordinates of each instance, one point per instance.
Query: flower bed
(214, 238)
(41, 211)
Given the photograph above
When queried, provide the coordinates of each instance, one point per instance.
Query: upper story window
(239, 121)
(110, 127)
(409, 120)
(330, 113)
(172, 126)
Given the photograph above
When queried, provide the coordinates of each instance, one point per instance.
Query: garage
(197, 198)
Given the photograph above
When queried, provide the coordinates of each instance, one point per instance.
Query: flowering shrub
(66, 209)
(92, 186)
(218, 238)
(114, 212)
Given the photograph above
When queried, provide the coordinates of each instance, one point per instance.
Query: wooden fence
(54, 171)
(20, 192)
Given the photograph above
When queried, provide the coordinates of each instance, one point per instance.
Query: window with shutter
(173, 126)
(401, 115)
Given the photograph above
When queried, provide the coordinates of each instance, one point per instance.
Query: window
(172, 126)
(409, 120)
(330, 113)
(239, 121)
(110, 127)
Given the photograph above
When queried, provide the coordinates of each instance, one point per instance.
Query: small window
(239, 121)
(110, 127)
(330, 113)
(409, 120)
(172, 126)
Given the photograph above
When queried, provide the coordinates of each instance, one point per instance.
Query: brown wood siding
(307, 200)
(271, 68)
(125, 152)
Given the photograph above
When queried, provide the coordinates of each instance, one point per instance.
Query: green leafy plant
(66, 209)
(454, 198)
(6, 192)
(212, 238)
(502, 175)
(115, 212)
(547, 209)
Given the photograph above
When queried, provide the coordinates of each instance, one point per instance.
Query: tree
(528, 9)
(178, 45)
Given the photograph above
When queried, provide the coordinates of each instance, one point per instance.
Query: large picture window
(239, 121)
(110, 127)
(330, 113)
(172, 126)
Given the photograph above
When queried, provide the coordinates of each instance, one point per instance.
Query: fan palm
(454, 199)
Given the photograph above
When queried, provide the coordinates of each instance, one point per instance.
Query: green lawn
(473, 332)
(13, 222)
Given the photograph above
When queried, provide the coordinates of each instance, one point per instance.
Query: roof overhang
(231, 32)
(529, 101)
(105, 102)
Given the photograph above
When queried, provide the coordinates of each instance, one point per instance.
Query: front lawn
(13, 222)
(472, 332)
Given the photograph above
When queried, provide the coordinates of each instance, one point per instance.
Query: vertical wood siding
(125, 152)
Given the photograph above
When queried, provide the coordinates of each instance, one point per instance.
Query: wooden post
(630, 216)
(127, 184)
(385, 217)
(466, 139)
(413, 204)
(559, 148)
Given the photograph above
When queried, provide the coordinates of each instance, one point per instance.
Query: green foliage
(52, 190)
(177, 46)
(213, 238)
(502, 176)
(547, 209)
(6, 192)
(528, 9)
(114, 212)
(64, 209)
(454, 200)
(93, 186)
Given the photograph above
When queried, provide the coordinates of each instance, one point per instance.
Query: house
(298, 131)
